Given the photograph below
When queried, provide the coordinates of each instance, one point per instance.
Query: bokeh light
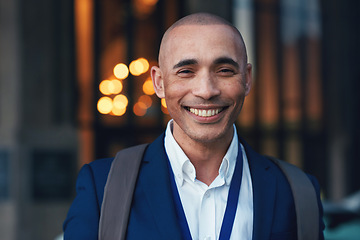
(118, 111)
(139, 66)
(145, 64)
(146, 100)
(148, 87)
(120, 101)
(105, 105)
(164, 106)
(163, 102)
(121, 71)
(118, 105)
(140, 109)
(116, 86)
(108, 87)
(104, 87)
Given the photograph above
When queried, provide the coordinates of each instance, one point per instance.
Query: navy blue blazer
(153, 214)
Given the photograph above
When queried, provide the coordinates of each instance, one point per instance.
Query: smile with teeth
(205, 112)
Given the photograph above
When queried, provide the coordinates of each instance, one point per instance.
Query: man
(204, 77)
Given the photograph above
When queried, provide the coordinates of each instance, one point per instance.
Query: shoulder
(98, 169)
(261, 166)
(83, 215)
(95, 174)
(266, 174)
(101, 167)
(258, 162)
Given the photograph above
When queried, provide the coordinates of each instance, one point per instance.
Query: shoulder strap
(118, 193)
(121, 182)
(306, 205)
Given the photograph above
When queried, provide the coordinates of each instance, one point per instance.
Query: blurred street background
(74, 87)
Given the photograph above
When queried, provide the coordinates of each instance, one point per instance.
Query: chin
(208, 138)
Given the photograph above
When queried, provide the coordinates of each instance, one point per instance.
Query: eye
(226, 72)
(185, 73)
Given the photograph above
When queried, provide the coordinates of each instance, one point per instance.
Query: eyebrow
(220, 60)
(185, 62)
(226, 60)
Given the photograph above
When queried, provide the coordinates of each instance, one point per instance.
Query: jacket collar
(155, 173)
(264, 189)
(155, 182)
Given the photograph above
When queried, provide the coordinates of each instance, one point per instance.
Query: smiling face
(204, 78)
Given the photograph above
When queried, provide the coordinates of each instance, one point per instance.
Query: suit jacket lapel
(264, 189)
(155, 181)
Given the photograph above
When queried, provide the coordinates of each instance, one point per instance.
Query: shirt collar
(176, 155)
(184, 169)
(227, 170)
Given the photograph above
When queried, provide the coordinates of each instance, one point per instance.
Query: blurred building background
(74, 86)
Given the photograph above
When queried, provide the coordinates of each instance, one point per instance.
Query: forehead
(200, 41)
(202, 34)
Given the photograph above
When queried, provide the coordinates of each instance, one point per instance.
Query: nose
(205, 86)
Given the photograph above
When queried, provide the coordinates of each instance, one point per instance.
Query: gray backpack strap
(306, 205)
(118, 193)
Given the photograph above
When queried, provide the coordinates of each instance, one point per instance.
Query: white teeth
(204, 113)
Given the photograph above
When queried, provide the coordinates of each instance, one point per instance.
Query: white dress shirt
(204, 206)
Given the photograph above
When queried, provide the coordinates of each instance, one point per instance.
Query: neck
(207, 162)
(206, 156)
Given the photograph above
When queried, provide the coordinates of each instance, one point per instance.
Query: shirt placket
(207, 216)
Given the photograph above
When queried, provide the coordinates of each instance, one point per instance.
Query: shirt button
(207, 194)
(207, 238)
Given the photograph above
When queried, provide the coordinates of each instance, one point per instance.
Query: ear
(248, 79)
(158, 81)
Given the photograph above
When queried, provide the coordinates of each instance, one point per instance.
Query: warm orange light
(104, 87)
(150, 2)
(135, 68)
(139, 66)
(118, 111)
(163, 102)
(163, 106)
(108, 87)
(105, 105)
(148, 87)
(120, 101)
(146, 100)
(121, 71)
(164, 110)
(116, 86)
(145, 64)
(140, 109)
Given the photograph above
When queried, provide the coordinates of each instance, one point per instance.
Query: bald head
(201, 19)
